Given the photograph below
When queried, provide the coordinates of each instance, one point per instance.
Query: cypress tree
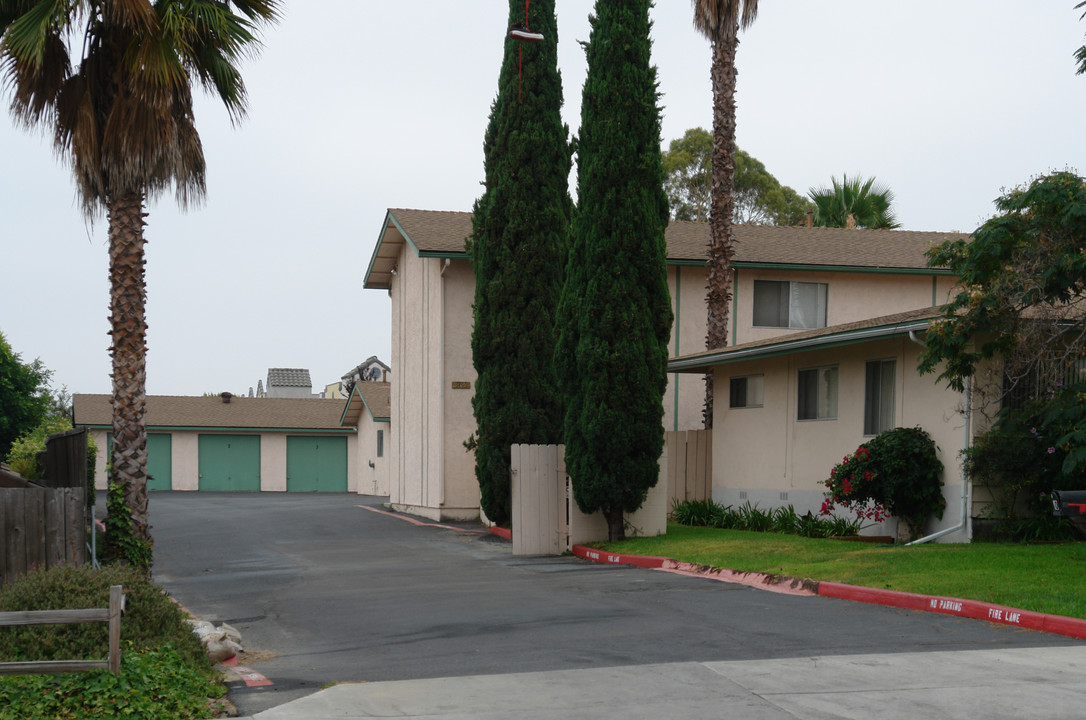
(520, 236)
(615, 317)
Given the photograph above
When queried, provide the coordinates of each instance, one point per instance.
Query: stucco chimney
(810, 217)
(850, 222)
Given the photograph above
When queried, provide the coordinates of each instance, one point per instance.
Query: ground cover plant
(707, 513)
(1049, 578)
(165, 672)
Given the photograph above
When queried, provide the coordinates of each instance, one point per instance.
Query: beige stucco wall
(185, 460)
(461, 499)
(768, 457)
(430, 472)
(372, 480)
(273, 463)
(101, 480)
(685, 395)
(850, 297)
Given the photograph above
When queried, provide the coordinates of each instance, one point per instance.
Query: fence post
(116, 607)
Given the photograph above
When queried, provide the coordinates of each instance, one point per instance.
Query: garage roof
(182, 412)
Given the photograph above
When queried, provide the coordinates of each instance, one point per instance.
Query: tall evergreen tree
(615, 317)
(520, 236)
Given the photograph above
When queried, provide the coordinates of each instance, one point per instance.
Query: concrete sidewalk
(990, 684)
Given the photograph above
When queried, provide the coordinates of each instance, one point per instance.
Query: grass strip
(1041, 578)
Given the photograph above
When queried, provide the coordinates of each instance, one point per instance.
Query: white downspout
(441, 439)
(966, 442)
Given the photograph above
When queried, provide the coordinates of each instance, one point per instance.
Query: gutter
(966, 442)
(705, 361)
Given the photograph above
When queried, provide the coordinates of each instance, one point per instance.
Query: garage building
(236, 444)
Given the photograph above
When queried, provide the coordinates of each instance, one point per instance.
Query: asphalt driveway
(325, 590)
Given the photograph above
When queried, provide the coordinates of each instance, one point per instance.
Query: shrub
(1027, 454)
(753, 519)
(151, 619)
(23, 456)
(895, 473)
(707, 513)
(696, 512)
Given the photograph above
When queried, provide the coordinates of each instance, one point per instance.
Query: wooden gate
(540, 522)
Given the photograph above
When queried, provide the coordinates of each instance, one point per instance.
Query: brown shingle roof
(173, 411)
(846, 333)
(373, 396)
(439, 233)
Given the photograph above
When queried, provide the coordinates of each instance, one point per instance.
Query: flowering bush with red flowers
(895, 473)
(852, 485)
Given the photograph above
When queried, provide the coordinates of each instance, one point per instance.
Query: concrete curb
(973, 609)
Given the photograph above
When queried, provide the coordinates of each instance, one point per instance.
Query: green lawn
(1042, 578)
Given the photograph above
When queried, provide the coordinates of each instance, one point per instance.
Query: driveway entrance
(325, 590)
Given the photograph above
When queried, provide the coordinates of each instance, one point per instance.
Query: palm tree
(854, 202)
(112, 82)
(720, 21)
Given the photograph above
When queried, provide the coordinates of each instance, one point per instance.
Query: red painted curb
(644, 561)
(501, 532)
(975, 609)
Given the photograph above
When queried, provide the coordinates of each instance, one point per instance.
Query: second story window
(784, 304)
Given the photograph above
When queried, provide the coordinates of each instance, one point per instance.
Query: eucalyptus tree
(112, 83)
(720, 21)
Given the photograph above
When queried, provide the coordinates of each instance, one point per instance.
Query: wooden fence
(689, 465)
(111, 615)
(546, 518)
(41, 527)
(45, 523)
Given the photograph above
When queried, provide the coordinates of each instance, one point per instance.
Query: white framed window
(818, 393)
(879, 396)
(746, 392)
(784, 304)
(380, 443)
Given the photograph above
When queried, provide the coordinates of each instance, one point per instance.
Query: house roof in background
(373, 397)
(845, 334)
(289, 377)
(178, 412)
(432, 233)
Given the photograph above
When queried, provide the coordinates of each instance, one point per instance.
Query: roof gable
(373, 397)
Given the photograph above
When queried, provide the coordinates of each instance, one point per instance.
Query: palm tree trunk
(721, 245)
(128, 329)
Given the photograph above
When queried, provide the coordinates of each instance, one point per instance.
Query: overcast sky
(359, 105)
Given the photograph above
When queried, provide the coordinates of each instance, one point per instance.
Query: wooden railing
(112, 615)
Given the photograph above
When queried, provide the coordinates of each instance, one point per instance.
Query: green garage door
(230, 462)
(159, 459)
(316, 464)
